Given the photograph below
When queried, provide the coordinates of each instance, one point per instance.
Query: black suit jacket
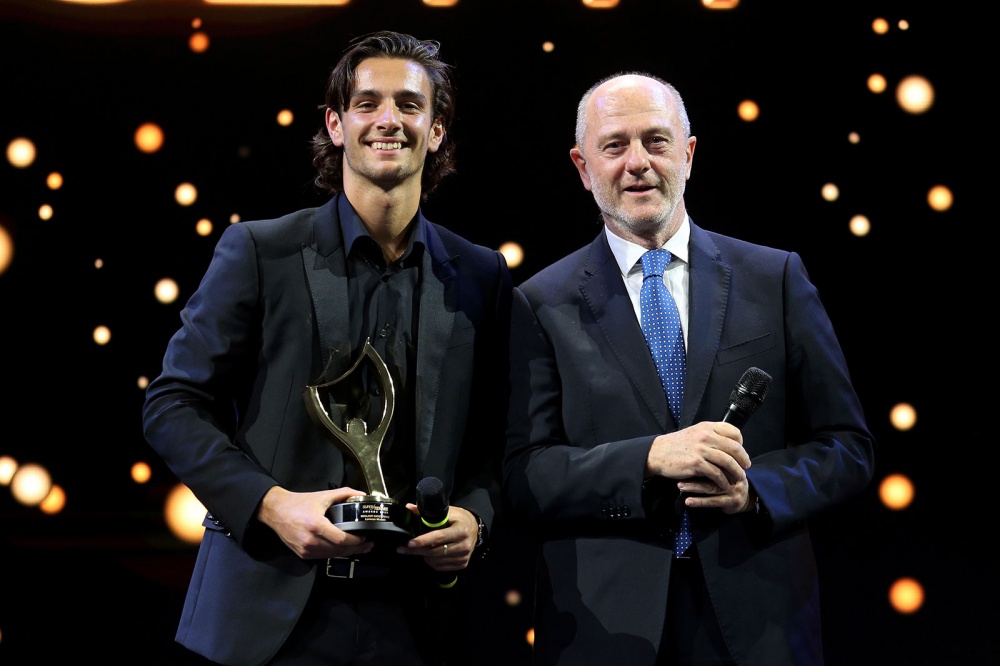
(228, 416)
(586, 404)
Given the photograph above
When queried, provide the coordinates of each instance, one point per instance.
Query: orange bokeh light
(141, 472)
(896, 491)
(906, 595)
(149, 137)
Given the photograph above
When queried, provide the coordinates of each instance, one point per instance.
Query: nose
(389, 116)
(637, 158)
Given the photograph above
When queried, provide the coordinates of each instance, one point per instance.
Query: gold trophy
(376, 515)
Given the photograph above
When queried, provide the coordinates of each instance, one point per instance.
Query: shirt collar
(627, 253)
(353, 228)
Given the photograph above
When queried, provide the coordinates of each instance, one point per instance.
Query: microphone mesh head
(751, 389)
(431, 500)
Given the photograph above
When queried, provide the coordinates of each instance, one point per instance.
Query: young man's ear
(437, 136)
(334, 128)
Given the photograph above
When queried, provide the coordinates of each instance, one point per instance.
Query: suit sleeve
(477, 486)
(829, 455)
(548, 478)
(189, 416)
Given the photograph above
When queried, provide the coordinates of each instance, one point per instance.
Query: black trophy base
(375, 518)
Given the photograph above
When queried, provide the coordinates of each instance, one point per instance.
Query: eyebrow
(404, 94)
(619, 133)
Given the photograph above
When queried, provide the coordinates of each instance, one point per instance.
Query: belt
(353, 568)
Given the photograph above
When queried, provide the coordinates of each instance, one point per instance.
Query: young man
(289, 303)
(617, 446)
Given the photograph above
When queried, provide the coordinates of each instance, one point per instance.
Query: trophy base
(375, 518)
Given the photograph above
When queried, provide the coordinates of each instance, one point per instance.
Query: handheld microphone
(432, 503)
(747, 396)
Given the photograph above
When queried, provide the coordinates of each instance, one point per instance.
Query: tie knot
(654, 262)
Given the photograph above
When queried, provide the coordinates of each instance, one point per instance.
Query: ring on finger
(445, 548)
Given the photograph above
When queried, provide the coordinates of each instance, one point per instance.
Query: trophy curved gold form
(375, 515)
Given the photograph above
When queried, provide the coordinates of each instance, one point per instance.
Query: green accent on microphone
(434, 526)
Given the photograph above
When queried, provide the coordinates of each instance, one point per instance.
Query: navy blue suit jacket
(586, 404)
(228, 416)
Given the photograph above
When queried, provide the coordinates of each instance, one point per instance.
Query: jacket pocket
(746, 348)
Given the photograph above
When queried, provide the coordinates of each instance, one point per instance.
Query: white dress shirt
(676, 277)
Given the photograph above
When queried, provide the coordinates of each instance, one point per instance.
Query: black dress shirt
(385, 309)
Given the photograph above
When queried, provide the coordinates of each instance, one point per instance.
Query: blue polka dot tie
(661, 324)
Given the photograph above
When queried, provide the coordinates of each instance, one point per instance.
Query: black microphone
(432, 503)
(747, 396)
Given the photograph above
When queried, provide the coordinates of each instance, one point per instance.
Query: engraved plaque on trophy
(376, 515)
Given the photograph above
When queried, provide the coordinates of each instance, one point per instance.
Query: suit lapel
(326, 271)
(604, 292)
(709, 280)
(439, 295)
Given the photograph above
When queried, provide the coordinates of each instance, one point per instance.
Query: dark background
(105, 578)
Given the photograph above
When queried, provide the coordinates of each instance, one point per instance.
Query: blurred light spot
(903, 24)
(6, 250)
(876, 83)
(529, 636)
(939, 198)
(198, 42)
(142, 382)
(906, 595)
(54, 502)
(45, 212)
(149, 137)
(98, 263)
(141, 472)
(234, 218)
(600, 4)
(7, 468)
(30, 484)
(720, 4)
(513, 598)
(513, 253)
(203, 227)
(903, 416)
(54, 180)
(196, 23)
(442, 3)
(548, 47)
(285, 117)
(275, 3)
(915, 94)
(880, 26)
(243, 152)
(859, 225)
(896, 491)
(184, 514)
(166, 291)
(186, 194)
(21, 153)
(102, 335)
(748, 110)
(854, 137)
(830, 192)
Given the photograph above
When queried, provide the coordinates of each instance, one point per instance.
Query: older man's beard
(639, 225)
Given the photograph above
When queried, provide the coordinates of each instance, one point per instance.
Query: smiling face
(635, 158)
(387, 128)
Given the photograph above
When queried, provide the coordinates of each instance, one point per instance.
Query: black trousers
(370, 622)
(691, 634)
